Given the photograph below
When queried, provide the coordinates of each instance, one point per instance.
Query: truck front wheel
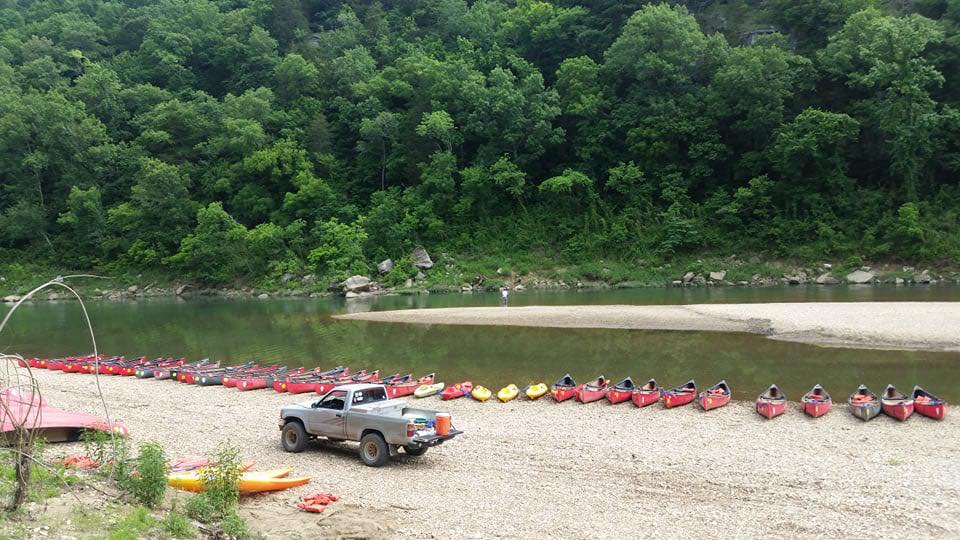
(293, 437)
(415, 450)
(373, 450)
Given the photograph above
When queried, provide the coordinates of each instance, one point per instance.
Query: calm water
(301, 332)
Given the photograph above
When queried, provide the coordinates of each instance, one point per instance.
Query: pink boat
(51, 423)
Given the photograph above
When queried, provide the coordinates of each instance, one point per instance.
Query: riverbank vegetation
(238, 142)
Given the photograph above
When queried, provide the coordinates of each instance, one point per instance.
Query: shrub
(178, 526)
(221, 481)
(235, 527)
(149, 485)
(136, 524)
(201, 509)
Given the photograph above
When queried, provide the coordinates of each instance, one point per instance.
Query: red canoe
(620, 392)
(771, 403)
(817, 402)
(715, 397)
(54, 425)
(928, 405)
(564, 389)
(593, 390)
(895, 404)
(457, 390)
(646, 394)
(361, 377)
(307, 382)
(403, 388)
(681, 395)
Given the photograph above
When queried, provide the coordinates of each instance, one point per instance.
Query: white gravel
(877, 325)
(566, 470)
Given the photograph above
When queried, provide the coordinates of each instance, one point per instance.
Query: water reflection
(301, 332)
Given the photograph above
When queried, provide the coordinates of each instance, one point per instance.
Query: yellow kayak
(508, 393)
(250, 482)
(535, 390)
(426, 390)
(481, 393)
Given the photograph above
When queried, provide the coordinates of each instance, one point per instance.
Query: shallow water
(301, 332)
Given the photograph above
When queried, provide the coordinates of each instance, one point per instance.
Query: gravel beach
(541, 469)
(931, 326)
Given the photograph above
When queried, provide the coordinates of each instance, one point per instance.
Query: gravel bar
(541, 469)
(931, 326)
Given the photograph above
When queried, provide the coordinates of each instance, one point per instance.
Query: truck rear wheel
(374, 451)
(415, 450)
(293, 437)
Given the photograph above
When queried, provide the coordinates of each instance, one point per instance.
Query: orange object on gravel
(76, 461)
(317, 502)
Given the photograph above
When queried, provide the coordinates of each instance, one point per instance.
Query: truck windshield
(335, 400)
(369, 395)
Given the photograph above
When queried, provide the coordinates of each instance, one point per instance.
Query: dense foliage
(242, 139)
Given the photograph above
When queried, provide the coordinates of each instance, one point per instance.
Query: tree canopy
(241, 140)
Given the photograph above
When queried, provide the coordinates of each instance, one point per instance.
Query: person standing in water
(504, 296)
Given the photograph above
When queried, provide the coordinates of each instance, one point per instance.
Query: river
(300, 331)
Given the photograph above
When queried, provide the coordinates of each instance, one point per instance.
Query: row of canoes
(243, 377)
(863, 403)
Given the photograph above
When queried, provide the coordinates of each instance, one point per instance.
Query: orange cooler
(443, 424)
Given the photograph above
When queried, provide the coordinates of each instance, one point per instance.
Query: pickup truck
(361, 412)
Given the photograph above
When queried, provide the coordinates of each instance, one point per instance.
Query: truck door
(327, 417)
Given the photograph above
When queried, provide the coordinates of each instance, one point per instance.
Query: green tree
(339, 249)
(215, 252)
(83, 227)
(883, 58)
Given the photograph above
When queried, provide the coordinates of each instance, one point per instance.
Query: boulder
(408, 284)
(688, 277)
(356, 284)
(12, 299)
(699, 281)
(860, 277)
(718, 276)
(351, 294)
(420, 276)
(181, 290)
(827, 279)
(922, 277)
(286, 277)
(827, 266)
(466, 289)
(132, 289)
(421, 259)
(898, 281)
(385, 266)
(519, 287)
(677, 283)
(308, 279)
(263, 296)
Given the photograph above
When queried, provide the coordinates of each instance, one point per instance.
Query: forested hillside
(233, 141)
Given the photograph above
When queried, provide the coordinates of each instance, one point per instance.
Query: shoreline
(925, 326)
(526, 469)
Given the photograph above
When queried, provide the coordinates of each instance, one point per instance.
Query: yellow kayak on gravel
(535, 391)
(250, 482)
(508, 393)
(481, 393)
(427, 390)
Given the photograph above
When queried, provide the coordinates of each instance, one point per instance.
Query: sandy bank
(881, 325)
(574, 471)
